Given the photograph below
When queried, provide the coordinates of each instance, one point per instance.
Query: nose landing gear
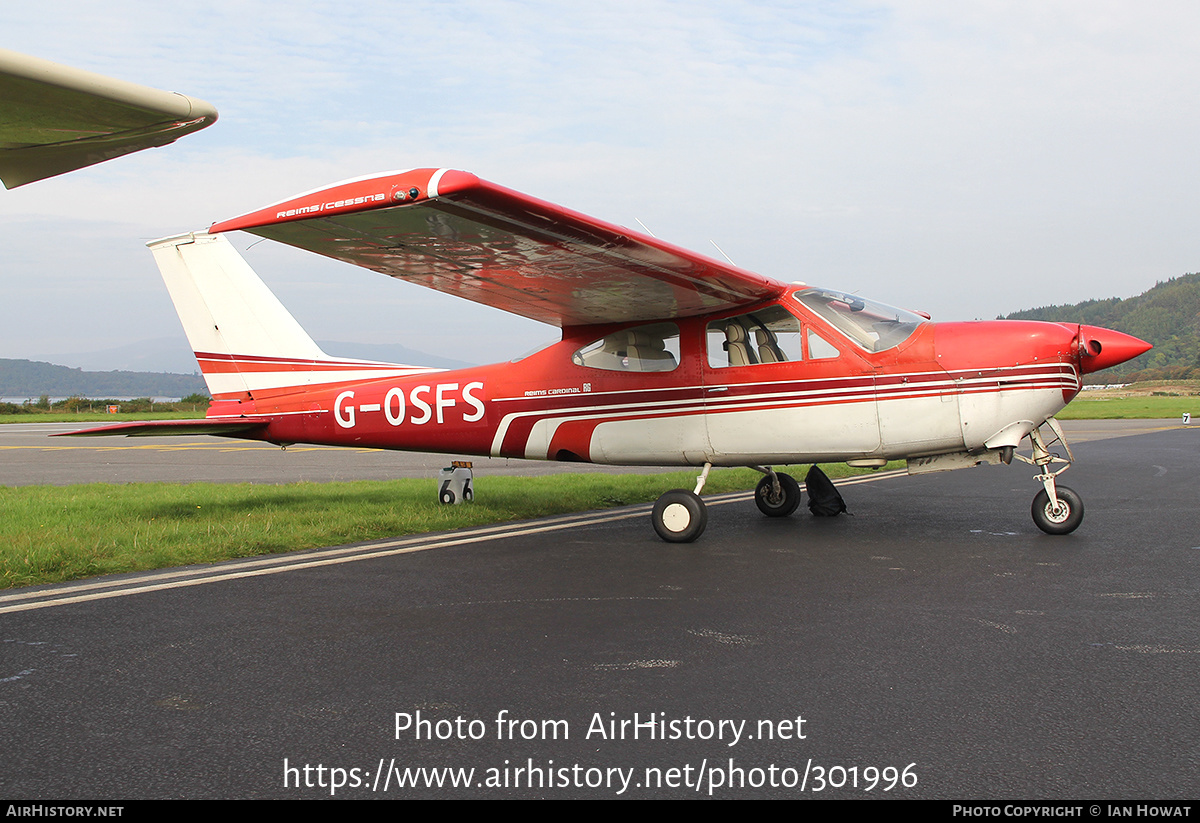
(1062, 518)
(1056, 509)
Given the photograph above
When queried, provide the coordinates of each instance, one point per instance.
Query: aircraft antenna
(644, 228)
(722, 251)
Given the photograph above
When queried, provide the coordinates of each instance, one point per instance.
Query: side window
(770, 335)
(819, 348)
(641, 349)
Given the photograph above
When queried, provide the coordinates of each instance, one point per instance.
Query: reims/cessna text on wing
(667, 357)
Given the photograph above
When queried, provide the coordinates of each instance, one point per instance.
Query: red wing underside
(467, 237)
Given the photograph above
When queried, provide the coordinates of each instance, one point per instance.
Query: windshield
(873, 326)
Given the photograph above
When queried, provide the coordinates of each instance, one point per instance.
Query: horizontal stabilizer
(233, 427)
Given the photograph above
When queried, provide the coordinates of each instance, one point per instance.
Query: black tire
(764, 496)
(680, 516)
(1066, 519)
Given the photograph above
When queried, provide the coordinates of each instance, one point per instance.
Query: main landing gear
(1056, 509)
(777, 494)
(680, 516)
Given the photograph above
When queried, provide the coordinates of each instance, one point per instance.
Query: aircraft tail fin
(247, 344)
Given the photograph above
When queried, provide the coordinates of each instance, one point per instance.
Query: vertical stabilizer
(246, 342)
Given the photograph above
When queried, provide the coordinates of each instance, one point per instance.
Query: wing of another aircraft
(55, 119)
(453, 232)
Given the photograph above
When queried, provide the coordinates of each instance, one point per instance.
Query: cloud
(965, 159)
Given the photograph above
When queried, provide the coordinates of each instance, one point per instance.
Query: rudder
(245, 341)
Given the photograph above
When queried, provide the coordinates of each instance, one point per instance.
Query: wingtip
(372, 191)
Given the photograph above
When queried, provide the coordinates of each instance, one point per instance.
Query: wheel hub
(676, 517)
(1057, 515)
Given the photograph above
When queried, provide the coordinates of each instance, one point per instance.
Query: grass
(84, 410)
(54, 534)
(1129, 408)
(97, 417)
(1162, 399)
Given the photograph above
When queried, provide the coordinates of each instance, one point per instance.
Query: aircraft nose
(1101, 348)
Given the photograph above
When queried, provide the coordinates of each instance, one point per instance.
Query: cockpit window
(644, 348)
(873, 326)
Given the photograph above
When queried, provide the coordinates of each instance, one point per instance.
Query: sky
(963, 159)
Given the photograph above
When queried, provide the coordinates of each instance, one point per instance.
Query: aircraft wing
(453, 232)
(55, 119)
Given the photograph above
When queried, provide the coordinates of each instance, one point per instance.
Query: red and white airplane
(667, 357)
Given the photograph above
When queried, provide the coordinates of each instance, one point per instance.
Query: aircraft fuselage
(948, 387)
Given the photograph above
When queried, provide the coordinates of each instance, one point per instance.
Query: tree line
(1167, 315)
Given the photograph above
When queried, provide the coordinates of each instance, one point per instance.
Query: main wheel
(680, 516)
(1063, 520)
(782, 506)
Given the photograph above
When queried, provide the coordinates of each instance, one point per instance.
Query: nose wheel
(1056, 509)
(1058, 517)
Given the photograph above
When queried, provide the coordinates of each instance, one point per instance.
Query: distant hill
(174, 355)
(29, 378)
(1167, 315)
(390, 353)
(152, 368)
(162, 354)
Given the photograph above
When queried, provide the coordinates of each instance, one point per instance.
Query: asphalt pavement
(29, 455)
(933, 645)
